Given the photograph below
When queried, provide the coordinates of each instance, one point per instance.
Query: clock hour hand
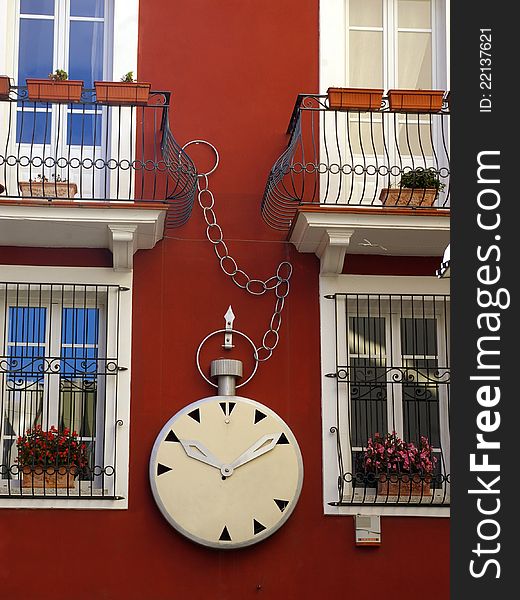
(261, 446)
(198, 451)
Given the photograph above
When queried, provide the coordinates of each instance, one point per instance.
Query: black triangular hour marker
(227, 407)
(195, 414)
(259, 416)
(257, 526)
(162, 469)
(171, 437)
(282, 439)
(282, 504)
(224, 536)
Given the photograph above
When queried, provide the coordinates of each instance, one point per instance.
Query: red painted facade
(235, 69)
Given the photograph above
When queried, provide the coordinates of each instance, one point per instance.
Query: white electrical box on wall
(368, 530)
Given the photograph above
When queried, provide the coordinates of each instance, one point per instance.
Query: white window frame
(120, 56)
(122, 339)
(334, 28)
(359, 284)
(62, 20)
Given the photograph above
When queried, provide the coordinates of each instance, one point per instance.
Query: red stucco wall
(235, 68)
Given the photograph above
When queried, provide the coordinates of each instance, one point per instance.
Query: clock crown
(226, 371)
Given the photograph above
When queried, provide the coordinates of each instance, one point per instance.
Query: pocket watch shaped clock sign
(226, 471)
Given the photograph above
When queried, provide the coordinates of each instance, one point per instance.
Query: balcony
(342, 169)
(82, 167)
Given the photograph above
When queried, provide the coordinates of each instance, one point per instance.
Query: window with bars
(58, 372)
(393, 377)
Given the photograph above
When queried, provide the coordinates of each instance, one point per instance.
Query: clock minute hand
(261, 446)
(198, 451)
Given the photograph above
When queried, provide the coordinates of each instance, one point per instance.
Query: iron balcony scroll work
(226, 471)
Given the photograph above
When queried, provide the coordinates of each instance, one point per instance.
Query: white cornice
(331, 235)
(121, 229)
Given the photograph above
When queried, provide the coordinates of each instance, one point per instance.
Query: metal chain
(257, 287)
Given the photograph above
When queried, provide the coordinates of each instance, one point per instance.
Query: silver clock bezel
(153, 474)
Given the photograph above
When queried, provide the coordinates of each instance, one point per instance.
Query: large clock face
(226, 471)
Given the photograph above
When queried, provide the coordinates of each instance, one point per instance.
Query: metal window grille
(392, 375)
(58, 371)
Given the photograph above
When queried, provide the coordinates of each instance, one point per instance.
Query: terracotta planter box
(38, 478)
(47, 90)
(415, 100)
(5, 86)
(391, 486)
(120, 92)
(408, 196)
(355, 98)
(48, 189)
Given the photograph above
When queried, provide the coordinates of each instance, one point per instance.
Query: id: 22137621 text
(485, 66)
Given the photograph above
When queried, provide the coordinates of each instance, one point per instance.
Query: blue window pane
(35, 49)
(84, 129)
(79, 335)
(87, 8)
(26, 325)
(86, 51)
(80, 326)
(33, 128)
(78, 362)
(25, 364)
(37, 7)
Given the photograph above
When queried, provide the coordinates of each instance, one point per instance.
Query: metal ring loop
(255, 354)
(217, 157)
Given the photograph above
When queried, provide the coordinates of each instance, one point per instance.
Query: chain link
(279, 283)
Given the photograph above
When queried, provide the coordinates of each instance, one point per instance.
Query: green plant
(52, 448)
(42, 179)
(59, 75)
(421, 178)
(391, 454)
(128, 77)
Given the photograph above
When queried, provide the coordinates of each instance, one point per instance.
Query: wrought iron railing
(392, 375)
(89, 151)
(59, 379)
(352, 158)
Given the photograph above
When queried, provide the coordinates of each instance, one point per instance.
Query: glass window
(78, 47)
(58, 374)
(37, 7)
(390, 44)
(414, 14)
(366, 13)
(35, 50)
(395, 378)
(86, 51)
(365, 64)
(414, 61)
(33, 127)
(87, 8)
(84, 129)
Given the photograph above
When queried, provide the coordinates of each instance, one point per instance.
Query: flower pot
(354, 98)
(5, 86)
(415, 100)
(390, 485)
(48, 90)
(51, 478)
(120, 92)
(48, 189)
(408, 196)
